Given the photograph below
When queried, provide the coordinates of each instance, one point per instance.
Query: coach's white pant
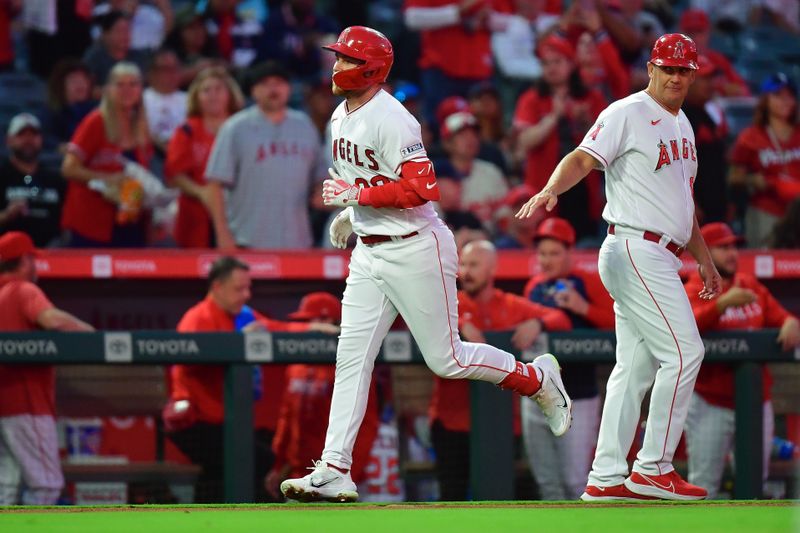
(657, 339)
(417, 278)
(29, 460)
(560, 464)
(710, 430)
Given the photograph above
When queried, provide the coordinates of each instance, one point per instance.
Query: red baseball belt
(377, 239)
(673, 247)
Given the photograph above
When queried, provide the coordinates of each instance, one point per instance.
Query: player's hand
(338, 192)
(341, 229)
(470, 333)
(324, 327)
(571, 300)
(789, 335)
(712, 281)
(545, 197)
(526, 333)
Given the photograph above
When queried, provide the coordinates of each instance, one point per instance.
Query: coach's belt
(369, 240)
(673, 247)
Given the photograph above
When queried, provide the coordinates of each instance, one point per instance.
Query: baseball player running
(645, 145)
(405, 262)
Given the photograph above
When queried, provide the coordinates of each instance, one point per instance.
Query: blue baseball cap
(778, 82)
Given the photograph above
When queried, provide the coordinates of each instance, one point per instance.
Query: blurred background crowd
(116, 106)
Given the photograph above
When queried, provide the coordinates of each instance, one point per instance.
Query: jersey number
(374, 182)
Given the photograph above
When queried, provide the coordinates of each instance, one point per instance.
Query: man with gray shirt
(269, 161)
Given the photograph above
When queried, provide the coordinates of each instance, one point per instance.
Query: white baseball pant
(29, 460)
(560, 464)
(417, 278)
(657, 344)
(710, 430)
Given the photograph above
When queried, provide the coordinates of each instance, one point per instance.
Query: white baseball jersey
(650, 162)
(369, 146)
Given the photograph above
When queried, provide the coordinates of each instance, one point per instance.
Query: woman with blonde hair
(108, 137)
(213, 97)
(766, 158)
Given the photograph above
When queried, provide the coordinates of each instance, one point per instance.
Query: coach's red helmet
(371, 49)
(674, 50)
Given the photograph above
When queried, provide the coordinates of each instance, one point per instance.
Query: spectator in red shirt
(307, 398)
(561, 465)
(95, 158)
(194, 415)
(455, 46)
(213, 97)
(481, 307)
(744, 304)
(766, 158)
(598, 59)
(696, 24)
(551, 118)
(30, 468)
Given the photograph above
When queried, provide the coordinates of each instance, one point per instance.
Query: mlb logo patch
(408, 150)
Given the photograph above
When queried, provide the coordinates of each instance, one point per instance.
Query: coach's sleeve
(604, 140)
(221, 165)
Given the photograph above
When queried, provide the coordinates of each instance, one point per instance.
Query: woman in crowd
(102, 207)
(69, 97)
(550, 120)
(213, 97)
(766, 158)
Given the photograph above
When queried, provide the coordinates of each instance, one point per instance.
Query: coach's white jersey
(650, 162)
(369, 146)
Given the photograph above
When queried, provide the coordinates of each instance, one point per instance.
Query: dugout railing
(492, 468)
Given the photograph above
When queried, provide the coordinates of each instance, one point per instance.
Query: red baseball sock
(524, 380)
(342, 470)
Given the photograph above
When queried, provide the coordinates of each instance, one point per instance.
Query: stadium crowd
(204, 125)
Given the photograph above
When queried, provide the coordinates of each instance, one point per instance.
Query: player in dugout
(743, 304)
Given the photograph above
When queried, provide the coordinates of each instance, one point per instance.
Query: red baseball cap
(318, 305)
(719, 234)
(705, 67)
(557, 44)
(450, 105)
(518, 195)
(556, 228)
(16, 244)
(694, 20)
(457, 122)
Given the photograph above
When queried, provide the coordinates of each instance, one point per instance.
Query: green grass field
(484, 517)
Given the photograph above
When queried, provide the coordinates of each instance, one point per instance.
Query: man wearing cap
(481, 307)
(30, 468)
(265, 167)
(710, 132)
(765, 159)
(696, 24)
(560, 466)
(467, 182)
(30, 196)
(744, 304)
(645, 145)
(301, 429)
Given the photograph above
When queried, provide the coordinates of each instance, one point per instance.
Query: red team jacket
(715, 383)
(450, 401)
(303, 420)
(24, 389)
(202, 385)
(779, 162)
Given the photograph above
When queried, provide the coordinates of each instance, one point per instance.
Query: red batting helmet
(674, 50)
(371, 48)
